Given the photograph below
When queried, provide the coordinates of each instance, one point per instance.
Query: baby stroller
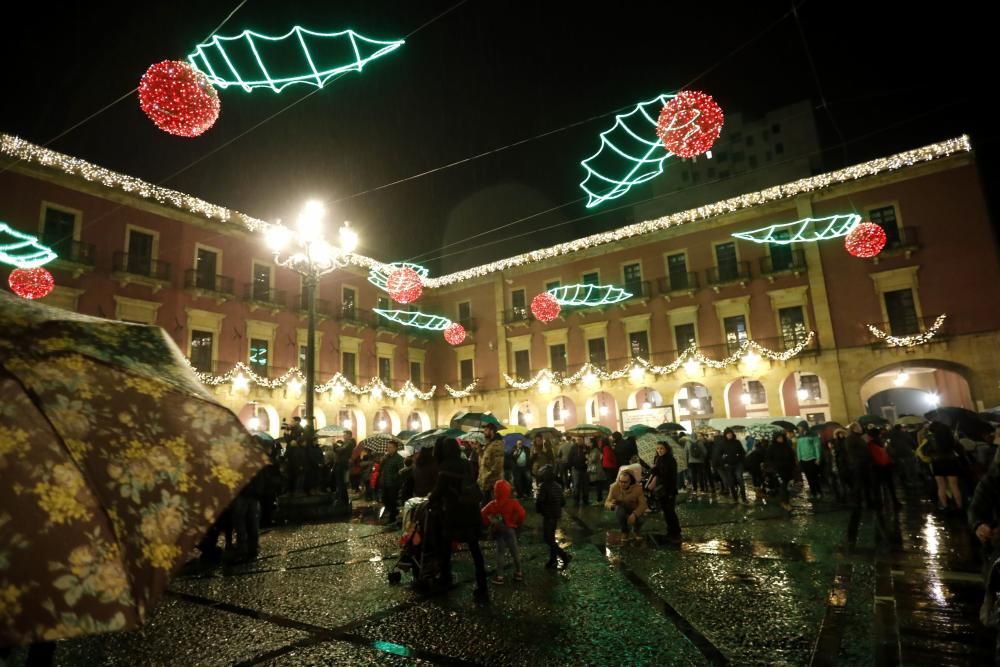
(417, 544)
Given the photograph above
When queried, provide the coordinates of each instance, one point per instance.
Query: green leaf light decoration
(378, 276)
(803, 231)
(589, 295)
(30, 253)
(252, 60)
(414, 319)
(634, 154)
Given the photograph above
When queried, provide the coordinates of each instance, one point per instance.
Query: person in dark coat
(341, 468)
(314, 467)
(456, 498)
(388, 481)
(665, 474)
(731, 456)
(581, 480)
(859, 465)
(754, 464)
(835, 467)
(425, 472)
(297, 463)
(405, 482)
(549, 504)
(623, 454)
(781, 458)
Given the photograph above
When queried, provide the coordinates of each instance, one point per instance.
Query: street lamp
(312, 257)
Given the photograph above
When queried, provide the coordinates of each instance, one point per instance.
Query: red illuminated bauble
(31, 283)
(404, 285)
(689, 124)
(455, 334)
(178, 98)
(865, 240)
(545, 308)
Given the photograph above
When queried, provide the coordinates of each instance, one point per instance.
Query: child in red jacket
(504, 515)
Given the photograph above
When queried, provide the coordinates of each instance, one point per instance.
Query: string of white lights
(908, 341)
(25, 151)
(241, 376)
(748, 352)
(462, 393)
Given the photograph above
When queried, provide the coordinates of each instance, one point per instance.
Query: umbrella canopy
(513, 428)
(966, 421)
(764, 431)
(824, 431)
(468, 421)
(788, 426)
(477, 437)
(545, 432)
(428, 438)
(379, 442)
(332, 431)
(911, 420)
(639, 429)
(667, 427)
(510, 441)
(266, 438)
(991, 417)
(405, 435)
(116, 459)
(868, 420)
(588, 429)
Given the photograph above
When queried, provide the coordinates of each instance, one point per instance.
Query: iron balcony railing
(139, 265)
(728, 273)
(261, 294)
(786, 259)
(75, 252)
(193, 279)
(678, 282)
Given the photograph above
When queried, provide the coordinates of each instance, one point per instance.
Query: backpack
(698, 450)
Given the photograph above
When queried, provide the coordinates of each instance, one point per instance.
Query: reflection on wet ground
(749, 585)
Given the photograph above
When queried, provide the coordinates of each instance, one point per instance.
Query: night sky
(480, 75)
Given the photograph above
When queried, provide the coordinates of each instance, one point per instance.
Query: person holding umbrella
(492, 461)
(388, 480)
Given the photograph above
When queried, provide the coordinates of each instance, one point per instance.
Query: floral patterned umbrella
(114, 461)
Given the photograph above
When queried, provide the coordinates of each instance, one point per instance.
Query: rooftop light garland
(242, 375)
(589, 373)
(908, 341)
(20, 149)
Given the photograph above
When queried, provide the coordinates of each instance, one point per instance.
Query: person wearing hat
(492, 460)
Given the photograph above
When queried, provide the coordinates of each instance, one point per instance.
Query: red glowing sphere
(865, 240)
(545, 308)
(404, 285)
(455, 334)
(178, 98)
(690, 123)
(31, 283)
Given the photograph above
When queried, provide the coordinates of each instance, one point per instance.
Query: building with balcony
(833, 336)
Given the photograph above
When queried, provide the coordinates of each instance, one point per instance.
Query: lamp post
(307, 253)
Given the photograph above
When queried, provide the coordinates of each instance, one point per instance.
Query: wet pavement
(749, 585)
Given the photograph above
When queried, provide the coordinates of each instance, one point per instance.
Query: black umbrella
(788, 426)
(869, 420)
(544, 431)
(951, 416)
(667, 427)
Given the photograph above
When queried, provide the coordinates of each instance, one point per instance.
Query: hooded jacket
(550, 499)
(491, 465)
(729, 450)
(632, 498)
(508, 508)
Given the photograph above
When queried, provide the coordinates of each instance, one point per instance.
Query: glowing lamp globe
(455, 334)
(31, 283)
(865, 240)
(689, 123)
(404, 285)
(545, 308)
(178, 98)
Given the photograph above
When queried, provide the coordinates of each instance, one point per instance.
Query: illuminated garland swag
(908, 341)
(589, 373)
(241, 375)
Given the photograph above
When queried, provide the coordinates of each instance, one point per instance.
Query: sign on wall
(652, 417)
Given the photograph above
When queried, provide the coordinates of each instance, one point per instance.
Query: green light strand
(414, 319)
(215, 57)
(31, 253)
(806, 230)
(379, 276)
(589, 295)
(637, 169)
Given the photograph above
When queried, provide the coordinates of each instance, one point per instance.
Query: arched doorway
(602, 408)
(692, 405)
(916, 387)
(524, 414)
(805, 393)
(561, 413)
(386, 420)
(260, 417)
(352, 418)
(418, 421)
(644, 397)
(746, 398)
